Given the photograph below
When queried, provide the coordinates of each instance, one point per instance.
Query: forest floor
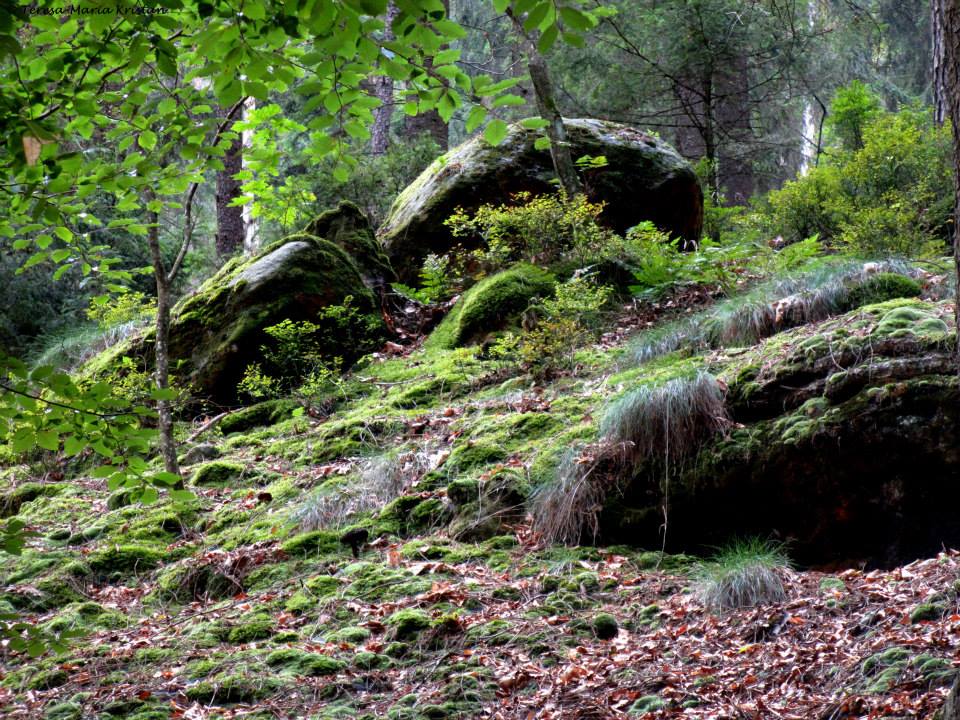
(244, 604)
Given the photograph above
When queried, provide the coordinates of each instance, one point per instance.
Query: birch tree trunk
(939, 61)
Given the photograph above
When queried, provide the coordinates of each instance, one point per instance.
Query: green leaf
(63, 233)
(536, 16)
(501, 5)
(167, 478)
(163, 394)
(147, 139)
(576, 19)
(542, 143)
(48, 440)
(508, 100)
(450, 29)
(548, 38)
(495, 132)
(181, 495)
(149, 496)
(477, 115)
(72, 445)
(534, 123)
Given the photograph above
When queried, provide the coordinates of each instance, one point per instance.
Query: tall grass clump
(665, 424)
(770, 308)
(567, 510)
(741, 574)
(381, 479)
(655, 429)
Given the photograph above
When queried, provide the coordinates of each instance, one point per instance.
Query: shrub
(742, 574)
(890, 193)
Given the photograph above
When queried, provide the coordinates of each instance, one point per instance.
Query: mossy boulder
(407, 624)
(300, 662)
(262, 414)
(125, 560)
(15, 498)
(348, 228)
(881, 287)
(218, 472)
(216, 332)
(645, 179)
(492, 304)
(841, 443)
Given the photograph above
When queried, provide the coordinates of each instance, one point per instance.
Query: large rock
(840, 440)
(218, 330)
(645, 179)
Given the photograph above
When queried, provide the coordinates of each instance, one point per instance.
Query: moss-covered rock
(124, 559)
(605, 626)
(265, 413)
(217, 332)
(848, 403)
(218, 472)
(300, 662)
(233, 688)
(492, 304)
(881, 287)
(15, 498)
(407, 624)
(645, 179)
(349, 229)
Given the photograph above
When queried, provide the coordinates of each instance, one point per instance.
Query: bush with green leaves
(557, 326)
(744, 573)
(892, 195)
(299, 359)
(541, 229)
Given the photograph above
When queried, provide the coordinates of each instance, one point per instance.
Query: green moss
(266, 413)
(257, 627)
(492, 304)
(318, 542)
(928, 612)
(218, 472)
(49, 679)
(324, 585)
(299, 662)
(187, 582)
(125, 559)
(64, 711)
(881, 287)
(646, 704)
(407, 624)
(605, 626)
(13, 500)
(233, 688)
(495, 632)
(352, 635)
(371, 661)
(470, 455)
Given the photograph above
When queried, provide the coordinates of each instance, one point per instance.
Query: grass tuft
(665, 424)
(770, 308)
(742, 574)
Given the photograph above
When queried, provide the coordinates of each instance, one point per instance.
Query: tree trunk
(951, 42)
(429, 122)
(382, 89)
(733, 111)
(549, 111)
(230, 228)
(547, 107)
(939, 61)
(168, 448)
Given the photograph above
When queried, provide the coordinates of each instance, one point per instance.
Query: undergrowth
(767, 309)
(741, 574)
